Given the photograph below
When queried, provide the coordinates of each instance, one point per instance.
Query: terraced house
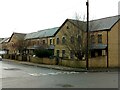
(41, 39)
(105, 40)
(15, 43)
(3, 45)
(66, 37)
(68, 42)
(103, 43)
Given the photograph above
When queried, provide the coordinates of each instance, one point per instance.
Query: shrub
(43, 53)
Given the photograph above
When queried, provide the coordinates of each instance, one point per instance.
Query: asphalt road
(16, 75)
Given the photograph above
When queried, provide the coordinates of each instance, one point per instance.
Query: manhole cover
(65, 85)
(6, 68)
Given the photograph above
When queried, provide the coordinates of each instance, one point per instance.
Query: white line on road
(54, 73)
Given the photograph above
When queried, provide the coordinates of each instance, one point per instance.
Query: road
(16, 75)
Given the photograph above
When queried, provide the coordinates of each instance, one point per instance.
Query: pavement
(63, 68)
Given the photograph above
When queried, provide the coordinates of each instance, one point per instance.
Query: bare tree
(75, 37)
(20, 46)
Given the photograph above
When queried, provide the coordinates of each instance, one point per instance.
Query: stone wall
(97, 62)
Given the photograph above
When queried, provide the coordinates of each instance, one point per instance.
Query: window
(38, 42)
(34, 43)
(63, 40)
(79, 39)
(67, 27)
(99, 52)
(72, 39)
(99, 38)
(57, 54)
(50, 41)
(57, 41)
(53, 41)
(71, 55)
(95, 53)
(63, 53)
(92, 39)
(92, 53)
(104, 52)
(29, 43)
(43, 41)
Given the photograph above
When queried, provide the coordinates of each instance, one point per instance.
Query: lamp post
(87, 29)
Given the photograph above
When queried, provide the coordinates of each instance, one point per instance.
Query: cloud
(32, 15)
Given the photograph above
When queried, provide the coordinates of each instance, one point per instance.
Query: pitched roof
(1, 39)
(98, 24)
(104, 23)
(76, 22)
(19, 36)
(42, 33)
(94, 25)
(5, 40)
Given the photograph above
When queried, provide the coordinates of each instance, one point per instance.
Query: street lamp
(87, 29)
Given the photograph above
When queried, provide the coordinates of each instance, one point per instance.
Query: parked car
(0, 58)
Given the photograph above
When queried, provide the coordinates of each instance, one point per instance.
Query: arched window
(72, 39)
(71, 55)
(79, 39)
(63, 53)
(57, 41)
(63, 40)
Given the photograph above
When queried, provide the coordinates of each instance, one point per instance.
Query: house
(3, 45)
(68, 42)
(103, 44)
(105, 39)
(41, 39)
(16, 43)
(0, 43)
(66, 35)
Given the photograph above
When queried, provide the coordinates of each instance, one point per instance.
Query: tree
(21, 46)
(41, 53)
(76, 37)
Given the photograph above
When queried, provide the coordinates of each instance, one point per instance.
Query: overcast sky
(26, 16)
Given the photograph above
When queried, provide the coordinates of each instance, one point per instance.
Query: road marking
(37, 74)
(10, 68)
(54, 73)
